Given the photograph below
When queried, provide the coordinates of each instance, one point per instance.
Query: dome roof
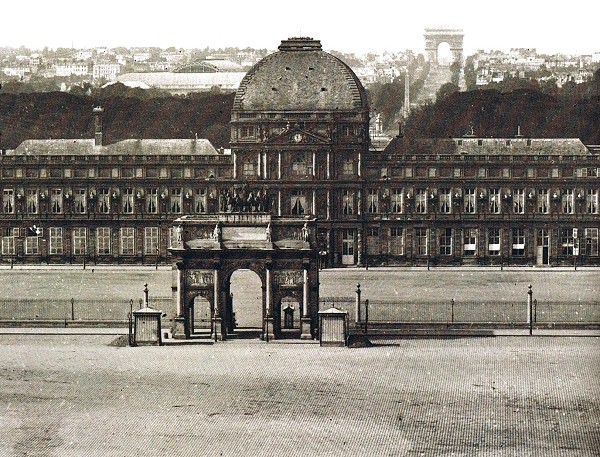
(300, 77)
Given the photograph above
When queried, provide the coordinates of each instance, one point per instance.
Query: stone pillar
(314, 164)
(179, 329)
(268, 329)
(279, 202)
(314, 201)
(328, 204)
(234, 165)
(305, 330)
(328, 164)
(179, 292)
(265, 168)
(359, 164)
(259, 167)
(279, 165)
(217, 327)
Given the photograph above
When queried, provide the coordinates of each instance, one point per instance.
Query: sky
(346, 26)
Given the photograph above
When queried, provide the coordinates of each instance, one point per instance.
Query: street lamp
(146, 294)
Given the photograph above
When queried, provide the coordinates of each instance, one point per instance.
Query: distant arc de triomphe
(435, 36)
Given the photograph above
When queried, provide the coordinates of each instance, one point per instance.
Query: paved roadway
(74, 395)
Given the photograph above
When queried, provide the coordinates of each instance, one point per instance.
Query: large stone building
(300, 147)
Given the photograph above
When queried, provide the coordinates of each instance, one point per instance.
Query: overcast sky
(346, 26)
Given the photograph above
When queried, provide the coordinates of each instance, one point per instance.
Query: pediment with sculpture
(298, 136)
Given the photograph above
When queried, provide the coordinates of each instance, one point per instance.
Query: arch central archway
(444, 54)
(257, 257)
(246, 299)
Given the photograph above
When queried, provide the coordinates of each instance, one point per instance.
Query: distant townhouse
(108, 71)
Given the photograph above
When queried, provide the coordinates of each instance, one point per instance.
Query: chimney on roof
(400, 132)
(519, 131)
(98, 111)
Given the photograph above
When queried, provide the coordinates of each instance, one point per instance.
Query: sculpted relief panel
(287, 277)
(199, 278)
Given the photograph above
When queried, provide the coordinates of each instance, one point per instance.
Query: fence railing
(77, 310)
(467, 311)
(347, 304)
(379, 311)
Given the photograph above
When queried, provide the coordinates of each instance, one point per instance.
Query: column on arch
(305, 289)
(268, 291)
(216, 304)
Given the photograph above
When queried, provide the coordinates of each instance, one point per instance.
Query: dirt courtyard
(69, 395)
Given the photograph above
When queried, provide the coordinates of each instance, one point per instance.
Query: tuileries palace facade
(300, 147)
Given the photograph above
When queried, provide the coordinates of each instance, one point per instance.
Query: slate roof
(300, 77)
(125, 147)
(488, 146)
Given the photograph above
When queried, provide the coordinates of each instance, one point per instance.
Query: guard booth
(282, 251)
(147, 327)
(333, 325)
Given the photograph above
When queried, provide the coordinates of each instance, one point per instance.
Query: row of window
(100, 241)
(105, 200)
(396, 201)
(83, 241)
(472, 200)
(299, 167)
(468, 240)
(484, 172)
(117, 172)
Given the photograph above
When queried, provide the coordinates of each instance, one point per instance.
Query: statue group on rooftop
(242, 200)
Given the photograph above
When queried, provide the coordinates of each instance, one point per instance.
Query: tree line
(572, 111)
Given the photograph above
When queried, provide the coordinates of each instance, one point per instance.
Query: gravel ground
(67, 395)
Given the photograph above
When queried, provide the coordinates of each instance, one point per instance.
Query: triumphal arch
(436, 36)
(208, 249)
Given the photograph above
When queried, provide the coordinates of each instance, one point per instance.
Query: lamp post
(530, 309)
(146, 294)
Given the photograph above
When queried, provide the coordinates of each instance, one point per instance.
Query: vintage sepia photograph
(302, 229)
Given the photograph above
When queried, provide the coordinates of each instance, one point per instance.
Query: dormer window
(247, 132)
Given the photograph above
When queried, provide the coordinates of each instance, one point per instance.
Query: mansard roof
(300, 77)
(81, 147)
(487, 146)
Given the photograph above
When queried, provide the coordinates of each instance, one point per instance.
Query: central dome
(300, 77)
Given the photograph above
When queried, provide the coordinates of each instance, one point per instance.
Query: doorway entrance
(289, 310)
(348, 247)
(200, 315)
(543, 247)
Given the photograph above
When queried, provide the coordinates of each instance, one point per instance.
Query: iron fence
(466, 312)
(77, 310)
(347, 304)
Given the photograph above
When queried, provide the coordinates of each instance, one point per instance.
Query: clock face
(297, 137)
